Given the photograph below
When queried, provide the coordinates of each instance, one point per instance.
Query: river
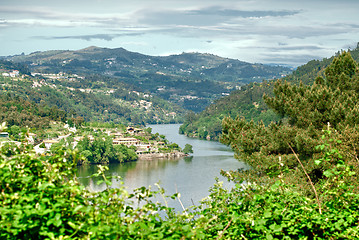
(191, 176)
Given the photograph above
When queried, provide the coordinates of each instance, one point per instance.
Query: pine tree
(306, 111)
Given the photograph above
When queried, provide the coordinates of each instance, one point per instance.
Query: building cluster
(58, 76)
(128, 139)
(11, 73)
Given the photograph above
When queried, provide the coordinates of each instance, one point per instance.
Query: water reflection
(188, 159)
(191, 176)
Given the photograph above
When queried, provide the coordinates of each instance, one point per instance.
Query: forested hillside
(303, 182)
(17, 111)
(191, 80)
(248, 102)
(93, 98)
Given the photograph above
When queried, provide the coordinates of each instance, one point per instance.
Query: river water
(191, 176)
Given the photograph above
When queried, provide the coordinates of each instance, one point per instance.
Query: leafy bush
(41, 199)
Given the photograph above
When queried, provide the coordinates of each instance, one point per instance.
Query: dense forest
(303, 183)
(248, 101)
(17, 111)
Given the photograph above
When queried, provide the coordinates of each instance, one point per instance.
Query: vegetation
(188, 148)
(303, 182)
(245, 102)
(248, 102)
(177, 78)
(102, 151)
(41, 199)
(94, 98)
(16, 111)
(330, 103)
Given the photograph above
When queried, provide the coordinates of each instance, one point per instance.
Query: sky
(290, 32)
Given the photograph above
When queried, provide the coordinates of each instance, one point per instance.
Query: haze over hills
(191, 80)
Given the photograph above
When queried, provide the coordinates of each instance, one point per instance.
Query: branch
(221, 233)
(179, 200)
(310, 180)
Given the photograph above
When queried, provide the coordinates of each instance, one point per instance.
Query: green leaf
(328, 173)
(71, 224)
(269, 237)
(267, 214)
(58, 222)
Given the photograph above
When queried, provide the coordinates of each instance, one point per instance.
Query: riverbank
(152, 156)
(191, 176)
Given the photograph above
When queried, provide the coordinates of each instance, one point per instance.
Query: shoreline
(149, 156)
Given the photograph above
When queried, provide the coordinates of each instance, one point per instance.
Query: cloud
(209, 16)
(298, 48)
(251, 30)
(291, 59)
(43, 16)
(218, 10)
(106, 37)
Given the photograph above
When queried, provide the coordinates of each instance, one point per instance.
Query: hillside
(91, 97)
(248, 102)
(302, 184)
(17, 111)
(191, 80)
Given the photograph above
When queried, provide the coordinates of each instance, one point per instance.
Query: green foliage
(37, 200)
(41, 199)
(330, 100)
(248, 102)
(94, 98)
(101, 150)
(307, 110)
(177, 76)
(188, 148)
(17, 111)
(303, 183)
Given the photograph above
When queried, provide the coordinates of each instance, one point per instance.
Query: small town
(145, 144)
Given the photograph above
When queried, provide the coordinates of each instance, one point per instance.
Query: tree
(15, 131)
(306, 111)
(101, 150)
(188, 148)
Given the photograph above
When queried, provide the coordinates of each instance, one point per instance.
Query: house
(30, 138)
(126, 141)
(4, 134)
(78, 139)
(161, 143)
(116, 134)
(48, 143)
(132, 130)
(143, 148)
(14, 73)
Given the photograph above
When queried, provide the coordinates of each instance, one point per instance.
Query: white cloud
(250, 30)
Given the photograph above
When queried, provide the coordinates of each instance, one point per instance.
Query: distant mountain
(247, 102)
(192, 80)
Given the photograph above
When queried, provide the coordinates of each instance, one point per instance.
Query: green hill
(191, 80)
(248, 102)
(92, 97)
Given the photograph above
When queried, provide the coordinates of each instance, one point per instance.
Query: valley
(190, 80)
